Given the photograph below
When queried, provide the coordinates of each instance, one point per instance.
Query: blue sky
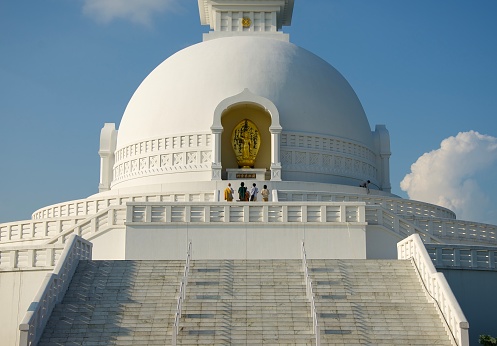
(426, 69)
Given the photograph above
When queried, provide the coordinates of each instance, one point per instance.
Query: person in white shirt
(253, 193)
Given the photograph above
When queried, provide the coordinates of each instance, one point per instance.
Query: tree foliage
(487, 340)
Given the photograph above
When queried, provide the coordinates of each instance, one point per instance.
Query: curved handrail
(52, 290)
(437, 287)
(91, 224)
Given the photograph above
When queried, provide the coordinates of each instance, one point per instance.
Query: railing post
(304, 213)
(380, 216)
(129, 212)
(343, 213)
(323, 217)
(24, 334)
(361, 213)
(265, 213)
(31, 258)
(188, 213)
(439, 257)
(32, 230)
(457, 257)
(111, 220)
(491, 259)
(246, 213)
(207, 214)
(474, 258)
(284, 213)
(148, 213)
(13, 258)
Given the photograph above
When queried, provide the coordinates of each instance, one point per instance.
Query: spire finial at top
(246, 17)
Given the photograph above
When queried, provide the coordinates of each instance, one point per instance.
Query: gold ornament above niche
(246, 22)
(246, 142)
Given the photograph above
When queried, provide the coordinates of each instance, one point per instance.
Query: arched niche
(230, 119)
(228, 114)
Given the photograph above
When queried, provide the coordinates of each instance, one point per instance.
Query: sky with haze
(426, 69)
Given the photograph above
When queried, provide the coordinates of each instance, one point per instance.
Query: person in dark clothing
(242, 190)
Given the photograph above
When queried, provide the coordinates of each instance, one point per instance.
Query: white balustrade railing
(463, 256)
(301, 212)
(246, 212)
(310, 296)
(437, 287)
(397, 206)
(182, 294)
(376, 215)
(31, 257)
(35, 229)
(112, 217)
(54, 230)
(474, 232)
(93, 205)
(433, 230)
(52, 290)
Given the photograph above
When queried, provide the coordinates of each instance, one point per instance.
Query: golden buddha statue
(245, 140)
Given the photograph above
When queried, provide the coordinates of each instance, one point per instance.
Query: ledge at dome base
(271, 35)
(210, 192)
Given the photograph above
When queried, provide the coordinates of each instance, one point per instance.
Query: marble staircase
(253, 302)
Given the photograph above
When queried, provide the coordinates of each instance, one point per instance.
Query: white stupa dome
(177, 126)
(181, 94)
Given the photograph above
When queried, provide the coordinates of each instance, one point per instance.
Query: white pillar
(108, 142)
(216, 153)
(275, 153)
(385, 162)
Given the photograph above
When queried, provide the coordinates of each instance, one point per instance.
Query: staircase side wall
(17, 290)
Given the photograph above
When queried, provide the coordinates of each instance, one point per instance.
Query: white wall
(245, 241)
(381, 243)
(109, 245)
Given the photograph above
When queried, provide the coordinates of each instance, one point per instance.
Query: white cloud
(136, 11)
(451, 176)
